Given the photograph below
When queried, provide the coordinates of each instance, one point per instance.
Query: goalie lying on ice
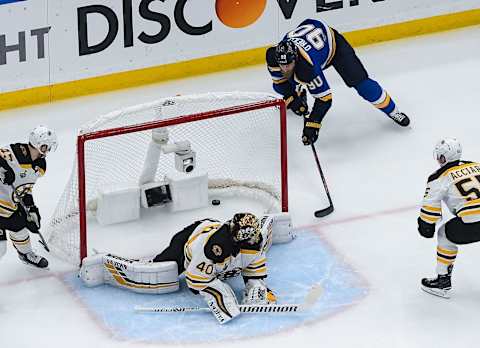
(207, 252)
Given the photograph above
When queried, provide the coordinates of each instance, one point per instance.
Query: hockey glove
(33, 215)
(310, 131)
(7, 176)
(425, 229)
(297, 102)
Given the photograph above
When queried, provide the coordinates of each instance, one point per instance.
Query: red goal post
(261, 112)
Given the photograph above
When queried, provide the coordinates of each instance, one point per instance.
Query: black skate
(400, 118)
(33, 259)
(439, 286)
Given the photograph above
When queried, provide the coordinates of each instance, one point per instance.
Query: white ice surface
(376, 173)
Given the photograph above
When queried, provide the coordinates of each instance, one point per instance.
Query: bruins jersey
(17, 157)
(210, 254)
(316, 45)
(458, 185)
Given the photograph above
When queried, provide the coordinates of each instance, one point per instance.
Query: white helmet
(449, 148)
(43, 139)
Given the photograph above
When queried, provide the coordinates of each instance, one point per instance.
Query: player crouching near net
(21, 164)
(207, 252)
(457, 184)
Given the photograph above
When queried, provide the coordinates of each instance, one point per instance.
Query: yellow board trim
(222, 62)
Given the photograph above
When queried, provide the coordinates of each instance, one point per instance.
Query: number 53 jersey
(458, 185)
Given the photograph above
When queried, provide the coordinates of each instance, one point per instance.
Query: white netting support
(240, 153)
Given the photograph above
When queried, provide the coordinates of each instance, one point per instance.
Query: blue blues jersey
(315, 41)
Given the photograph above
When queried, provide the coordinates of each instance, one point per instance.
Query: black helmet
(285, 52)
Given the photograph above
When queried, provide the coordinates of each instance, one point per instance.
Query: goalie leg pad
(221, 300)
(281, 227)
(138, 276)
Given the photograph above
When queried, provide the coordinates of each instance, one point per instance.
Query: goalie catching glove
(297, 102)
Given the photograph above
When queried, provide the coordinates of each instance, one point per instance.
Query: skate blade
(437, 292)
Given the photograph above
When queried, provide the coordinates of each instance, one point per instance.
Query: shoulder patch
(21, 153)
(220, 245)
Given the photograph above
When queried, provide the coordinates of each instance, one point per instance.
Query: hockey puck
(216, 202)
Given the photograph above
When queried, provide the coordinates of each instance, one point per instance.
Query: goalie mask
(43, 139)
(447, 150)
(245, 229)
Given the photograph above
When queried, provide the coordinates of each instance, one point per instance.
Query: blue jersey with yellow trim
(315, 41)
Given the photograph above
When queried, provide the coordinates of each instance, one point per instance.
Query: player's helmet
(245, 228)
(43, 139)
(286, 52)
(448, 148)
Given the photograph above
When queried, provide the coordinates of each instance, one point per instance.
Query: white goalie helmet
(43, 139)
(447, 150)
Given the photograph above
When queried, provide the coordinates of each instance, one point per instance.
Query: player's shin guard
(372, 92)
(134, 275)
(21, 241)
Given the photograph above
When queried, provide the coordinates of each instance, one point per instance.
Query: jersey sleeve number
(469, 188)
(312, 34)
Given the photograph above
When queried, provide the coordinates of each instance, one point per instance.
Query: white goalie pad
(221, 300)
(118, 204)
(138, 276)
(281, 227)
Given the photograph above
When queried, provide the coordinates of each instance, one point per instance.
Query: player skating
(300, 59)
(21, 164)
(207, 252)
(457, 184)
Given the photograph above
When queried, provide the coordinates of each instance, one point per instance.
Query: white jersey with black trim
(17, 157)
(458, 185)
(200, 271)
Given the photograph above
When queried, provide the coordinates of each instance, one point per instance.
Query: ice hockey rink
(367, 255)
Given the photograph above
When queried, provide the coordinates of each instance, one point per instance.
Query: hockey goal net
(239, 140)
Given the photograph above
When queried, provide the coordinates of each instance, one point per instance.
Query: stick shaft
(329, 209)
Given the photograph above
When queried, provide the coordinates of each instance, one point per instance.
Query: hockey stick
(312, 296)
(37, 231)
(328, 210)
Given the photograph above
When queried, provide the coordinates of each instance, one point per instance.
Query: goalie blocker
(146, 276)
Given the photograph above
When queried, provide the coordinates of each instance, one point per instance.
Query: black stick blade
(324, 212)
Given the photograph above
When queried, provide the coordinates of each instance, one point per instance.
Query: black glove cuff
(319, 110)
(425, 229)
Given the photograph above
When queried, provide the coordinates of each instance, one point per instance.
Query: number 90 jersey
(315, 41)
(458, 185)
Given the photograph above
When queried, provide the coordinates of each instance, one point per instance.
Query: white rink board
(62, 61)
